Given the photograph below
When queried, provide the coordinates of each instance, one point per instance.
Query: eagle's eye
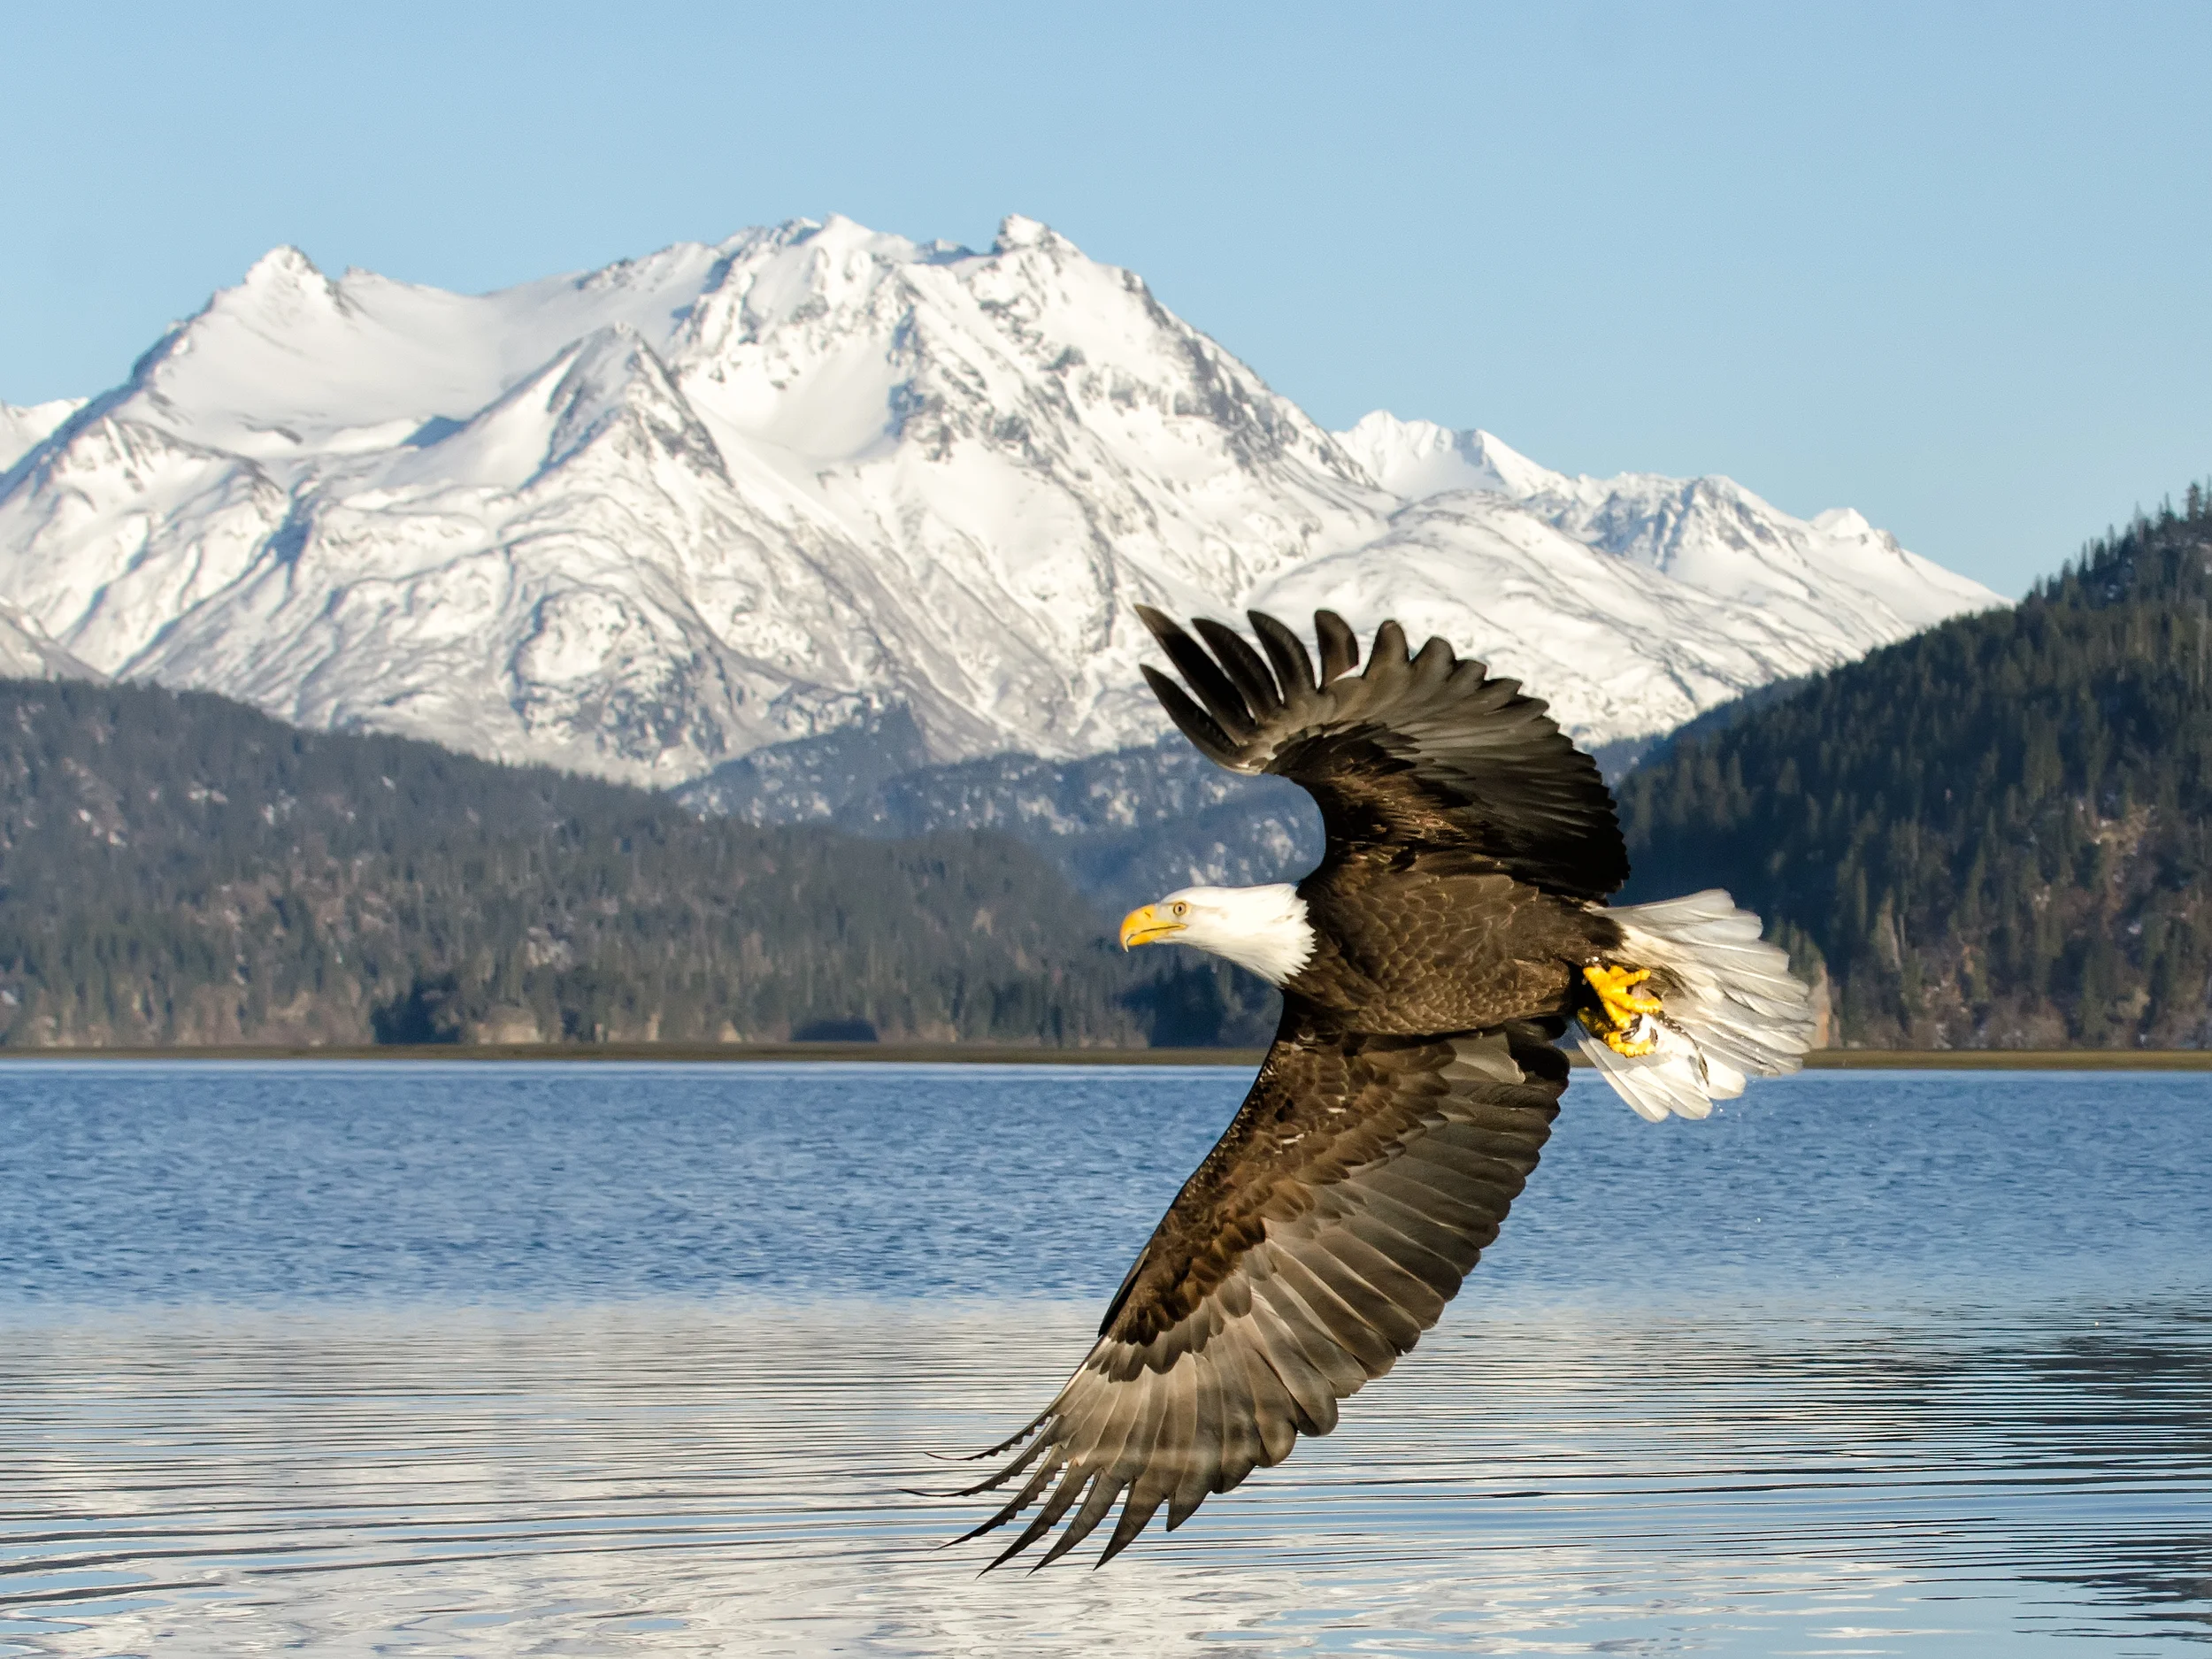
(1177, 909)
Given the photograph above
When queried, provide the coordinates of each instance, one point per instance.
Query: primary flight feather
(1454, 929)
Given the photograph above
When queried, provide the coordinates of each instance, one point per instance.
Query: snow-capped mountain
(1634, 603)
(647, 519)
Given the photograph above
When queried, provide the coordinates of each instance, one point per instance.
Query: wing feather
(1253, 680)
(1355, 1350)
(1415, 750)
(1193, 721)
(1204, 1428)
(1299, 1353)
(1338, 1214)
(1286, 653)
(1340, 646)
(1275, 1409)
(1215, 689)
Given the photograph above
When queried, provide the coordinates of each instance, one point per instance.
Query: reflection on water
(1794, 1452)
(672, 1478)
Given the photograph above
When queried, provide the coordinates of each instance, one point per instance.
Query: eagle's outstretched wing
(1321, 1236)
(1422, 750)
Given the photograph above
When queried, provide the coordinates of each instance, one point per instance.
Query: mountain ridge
(645, 520)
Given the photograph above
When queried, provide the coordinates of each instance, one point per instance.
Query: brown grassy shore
(1007, 1054)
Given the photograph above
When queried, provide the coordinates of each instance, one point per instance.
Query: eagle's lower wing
(1424, 750)
(1321, 1236)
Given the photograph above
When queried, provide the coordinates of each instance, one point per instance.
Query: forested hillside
(1996, 834)
(180, 869)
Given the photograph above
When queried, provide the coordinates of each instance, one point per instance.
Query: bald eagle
(1453, 933)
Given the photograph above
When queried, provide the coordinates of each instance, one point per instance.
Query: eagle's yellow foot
(1619, 1016)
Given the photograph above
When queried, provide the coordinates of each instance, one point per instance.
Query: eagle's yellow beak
(1145, 926)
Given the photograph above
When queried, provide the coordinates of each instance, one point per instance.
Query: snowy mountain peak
(615, 381)
(644, 519)
(1017, 230)
(283, 267)
(1419, 458)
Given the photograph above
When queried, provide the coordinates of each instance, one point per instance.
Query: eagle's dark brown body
(1411, 944)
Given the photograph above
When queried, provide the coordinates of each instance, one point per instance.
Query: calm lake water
(476, 1359)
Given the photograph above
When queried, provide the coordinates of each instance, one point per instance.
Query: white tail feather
(1732, 1006)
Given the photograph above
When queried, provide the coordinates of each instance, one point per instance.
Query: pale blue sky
(1951, 264)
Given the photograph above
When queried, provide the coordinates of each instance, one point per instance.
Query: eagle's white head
(1263, 929)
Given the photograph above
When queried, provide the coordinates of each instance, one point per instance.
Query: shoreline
(1011, 1053)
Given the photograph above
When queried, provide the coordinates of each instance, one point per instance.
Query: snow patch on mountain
(25, 653)
(647, 520)
(23, 427)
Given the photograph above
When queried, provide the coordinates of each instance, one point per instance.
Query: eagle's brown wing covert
(1325, 1230)
(1422, 750)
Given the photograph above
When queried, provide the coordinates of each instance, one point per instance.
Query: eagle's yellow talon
(1617, 1018)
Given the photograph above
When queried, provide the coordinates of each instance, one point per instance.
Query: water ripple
(683, 1479)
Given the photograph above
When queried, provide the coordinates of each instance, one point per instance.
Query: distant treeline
(1998, 833)
(180, 869)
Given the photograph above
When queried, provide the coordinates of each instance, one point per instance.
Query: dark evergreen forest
(1997, 833)
(180, 869)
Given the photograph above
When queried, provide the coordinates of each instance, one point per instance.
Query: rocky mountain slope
(647, 520)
